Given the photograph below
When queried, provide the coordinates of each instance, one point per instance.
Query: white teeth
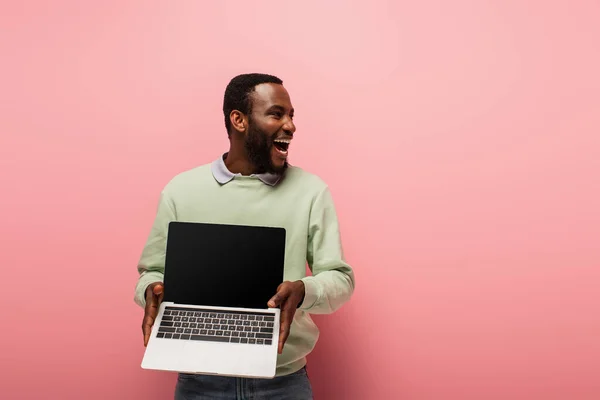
(283, 141)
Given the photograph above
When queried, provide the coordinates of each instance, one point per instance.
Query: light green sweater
(300, 202)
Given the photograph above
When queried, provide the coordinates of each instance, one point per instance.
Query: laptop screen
(223, 265)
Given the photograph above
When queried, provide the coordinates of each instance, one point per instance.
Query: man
(253, 184)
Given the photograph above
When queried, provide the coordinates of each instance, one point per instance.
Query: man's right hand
(154, 296)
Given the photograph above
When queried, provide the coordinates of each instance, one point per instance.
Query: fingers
(287, 298)
(288, 310)
(147, 328)
(154, 296)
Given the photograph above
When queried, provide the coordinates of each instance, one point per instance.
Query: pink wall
(460, 139)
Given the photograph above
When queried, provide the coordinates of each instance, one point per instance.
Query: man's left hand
(288, 298)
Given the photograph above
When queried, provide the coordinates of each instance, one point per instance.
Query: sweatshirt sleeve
(151, 265)
(332, 280)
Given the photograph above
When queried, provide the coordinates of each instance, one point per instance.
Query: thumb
(158, 289)
(278, 298)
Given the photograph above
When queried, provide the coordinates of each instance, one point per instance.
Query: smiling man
(253, 184)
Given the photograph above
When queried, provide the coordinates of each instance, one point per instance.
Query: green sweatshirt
(299, 201)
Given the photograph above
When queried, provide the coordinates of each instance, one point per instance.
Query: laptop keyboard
(250, 328)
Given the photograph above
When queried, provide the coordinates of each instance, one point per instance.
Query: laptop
(214, 318)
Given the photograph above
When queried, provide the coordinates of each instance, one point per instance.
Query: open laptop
(214, 317)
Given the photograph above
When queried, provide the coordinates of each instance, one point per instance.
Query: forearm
(151, 265)
(332, 282)
(328, 291)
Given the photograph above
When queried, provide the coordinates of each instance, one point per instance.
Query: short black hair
(237, 93)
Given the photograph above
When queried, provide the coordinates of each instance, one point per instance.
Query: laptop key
(166, 323)
(235, 334)
(235, 340)
(185, 337)
(211, 333)
(219, 333)
(256, 329)
(232, 328)
(226, 333)
(210, 338)
(259, 318)
(268, 342)
(166, 329)
(160, 335)
(168, 335)
(179, 330)
(244, 340)
(260, 341)
(251, 335)
(167, 317)
(187, 330)
(195, 331)
(203, 332)
(176, 336)
(252, 341)
(266, 330)
(178, 324)
(269, 318)
(263, 336)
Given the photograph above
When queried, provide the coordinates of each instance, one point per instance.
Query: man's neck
(237, 162)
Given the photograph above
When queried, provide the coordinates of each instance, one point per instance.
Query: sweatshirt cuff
(311, 293)
(142, 285)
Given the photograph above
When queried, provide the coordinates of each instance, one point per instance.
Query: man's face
(270, 128)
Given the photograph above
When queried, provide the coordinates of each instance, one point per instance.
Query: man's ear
(239, 121)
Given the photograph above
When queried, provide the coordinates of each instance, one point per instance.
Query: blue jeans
(295, 386)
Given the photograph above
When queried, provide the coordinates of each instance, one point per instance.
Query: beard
(259, 147)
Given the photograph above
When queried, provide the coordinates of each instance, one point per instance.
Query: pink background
(460, 140)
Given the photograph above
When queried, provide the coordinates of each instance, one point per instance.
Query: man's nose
(289, 126)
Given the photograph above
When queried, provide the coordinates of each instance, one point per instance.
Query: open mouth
(282, 145)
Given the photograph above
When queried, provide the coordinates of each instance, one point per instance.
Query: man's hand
(154, 296)
(288, 297)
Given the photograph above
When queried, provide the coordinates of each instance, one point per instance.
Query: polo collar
(223, 175)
